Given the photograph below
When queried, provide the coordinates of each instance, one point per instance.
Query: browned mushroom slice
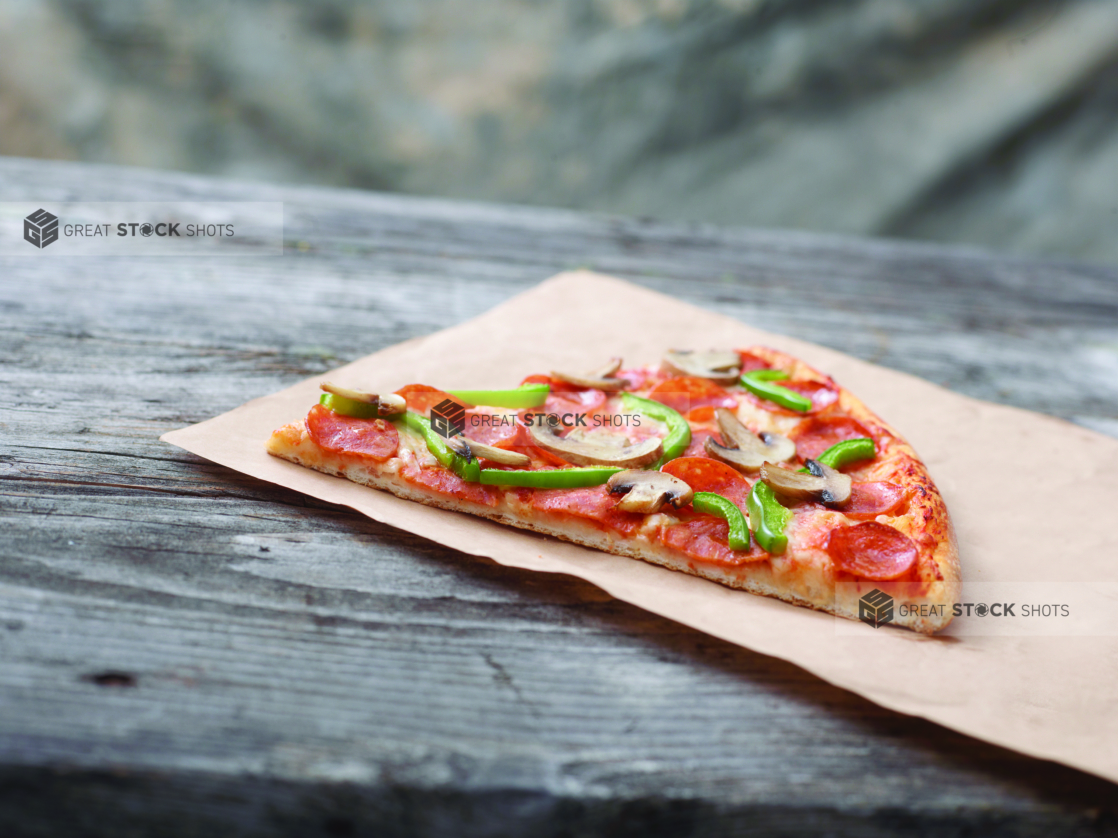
(648, 491)
(717, 365)
(599, 379)
(820, 483)
(469, 448)
(387, 405)
(390, 404)
(584, 452)
(747, 451)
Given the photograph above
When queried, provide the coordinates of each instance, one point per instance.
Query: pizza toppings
(465, 467)
(710, 503)
(585, 452)
(769, 518)
(526, 395)
(421, 397)
(600, 379)
(349, 407)
(848, 451)
(759, 383)
(820, 483)
(821, 394)
(747, 451)
(448, 483)
(703, 474)
(469, 448)
(551, 478)
(359, 403)
(817, 434)
(593, 505)
(387, 405)
(346, 393)
(679, 431)
(648, 491)
(750, 362)
(868, 500)
(872, 550)
(688, 394)
(716, 365)
(376, 439)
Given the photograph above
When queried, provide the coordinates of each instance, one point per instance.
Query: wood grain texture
(186, 651)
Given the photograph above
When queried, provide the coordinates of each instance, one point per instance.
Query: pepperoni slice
(697, 448)
(702, 414)
(705, 538)
(593, 503)
(445, 482)
(750, 362)
(868, 500)
(685, 393)
(704, 474)
(819, 433)
(872, 550)
(422, 398)
(376, 439)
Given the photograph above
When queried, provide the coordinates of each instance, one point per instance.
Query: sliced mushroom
(346, 393)
(647, 491)
(599, 379)
(387, 405)
(390, 404)
(821, 483)
(469, 449)
(717, 365)
(601, 438)
(747, 451)
(584, 452)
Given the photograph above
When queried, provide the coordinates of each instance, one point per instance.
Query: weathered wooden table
(186, 651)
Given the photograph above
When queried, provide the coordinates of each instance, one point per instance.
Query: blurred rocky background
(992, 122)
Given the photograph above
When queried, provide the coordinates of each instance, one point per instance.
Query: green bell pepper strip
(711, 504)
(768, 518)
(349, 407)
(848, 451)
(559, 478)
(679, 432)
(467, 469)
(527, 395)
(563, 478)
(758, 382)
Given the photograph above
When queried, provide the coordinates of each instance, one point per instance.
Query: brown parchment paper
(1017, 517)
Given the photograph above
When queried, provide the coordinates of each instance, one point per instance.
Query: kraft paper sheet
(1018, 518)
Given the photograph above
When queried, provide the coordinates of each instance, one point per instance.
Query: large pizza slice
(745, 467)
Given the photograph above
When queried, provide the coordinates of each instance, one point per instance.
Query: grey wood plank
(184, 647)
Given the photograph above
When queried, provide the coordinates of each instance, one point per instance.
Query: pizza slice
(745, 467)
